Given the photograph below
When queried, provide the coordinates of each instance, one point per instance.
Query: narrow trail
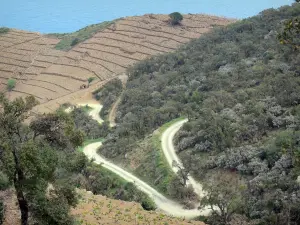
(164, 204)
(170, 154)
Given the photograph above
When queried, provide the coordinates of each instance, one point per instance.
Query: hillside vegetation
(68, 40)
(239, 87)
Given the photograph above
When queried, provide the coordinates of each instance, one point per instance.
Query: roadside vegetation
(239, 87)
(155, 170)
(96, 178)
(69, 40)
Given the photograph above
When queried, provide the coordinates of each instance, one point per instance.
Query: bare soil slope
(55, 76)
(97, 209)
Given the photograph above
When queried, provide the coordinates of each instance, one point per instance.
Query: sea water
(59, 16)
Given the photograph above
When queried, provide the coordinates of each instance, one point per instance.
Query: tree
(29, 158)
(223, 197)
(11, 84)
(175, 18)
(291, 32)
(182, 172)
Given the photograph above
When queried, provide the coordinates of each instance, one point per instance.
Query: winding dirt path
(164, 204)
(170, 154)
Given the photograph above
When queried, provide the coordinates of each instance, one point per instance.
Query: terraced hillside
(55, 76)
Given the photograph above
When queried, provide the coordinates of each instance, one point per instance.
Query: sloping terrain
(50, 74)
(97, 209)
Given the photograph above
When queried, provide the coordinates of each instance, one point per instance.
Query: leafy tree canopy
(175, 18)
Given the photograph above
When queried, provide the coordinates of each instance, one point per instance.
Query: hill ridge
(103, 51)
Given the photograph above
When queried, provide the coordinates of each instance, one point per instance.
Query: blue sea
(61, 16)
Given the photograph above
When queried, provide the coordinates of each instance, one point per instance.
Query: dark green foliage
(90, 79)
(108, 95)
(240, 89)
(29, 158)
(3, 30)
(175, 18)
(88, 125)
(148, 204)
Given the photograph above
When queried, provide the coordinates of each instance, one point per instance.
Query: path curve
(170, 154)
(95, 111)
(164, 204)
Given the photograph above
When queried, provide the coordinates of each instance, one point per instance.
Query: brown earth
(54, 77)
(12, 215)
(97, 209)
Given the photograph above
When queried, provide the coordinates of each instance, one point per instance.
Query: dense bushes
(240, 89)
(88, 125)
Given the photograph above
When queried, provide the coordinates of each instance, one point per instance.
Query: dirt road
(164, 204)
(170, 154)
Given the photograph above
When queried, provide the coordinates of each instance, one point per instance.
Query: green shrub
(11, 83)
(90, 79)
(75, 41)
(4, 30)
(148, 204)
(175, 18)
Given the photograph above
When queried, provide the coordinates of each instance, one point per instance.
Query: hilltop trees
(29, 158)
(175, 18)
